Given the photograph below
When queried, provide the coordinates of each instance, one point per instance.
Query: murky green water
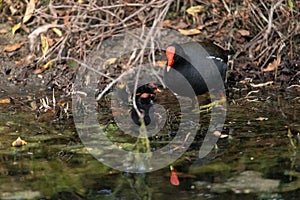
(256, 161)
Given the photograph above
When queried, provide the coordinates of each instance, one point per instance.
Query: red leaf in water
(174, 178)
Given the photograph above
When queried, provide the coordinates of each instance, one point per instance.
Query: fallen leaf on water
(195, 10)
(13, 47)
(29, 10)
(290, 136)
(261, 119)
(18, 142)
(193, 31)
(174, 178)
(289, 133)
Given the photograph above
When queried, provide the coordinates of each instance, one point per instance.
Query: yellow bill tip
(168, 68)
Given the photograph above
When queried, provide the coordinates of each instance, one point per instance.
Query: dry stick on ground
(270, 21)
(263, 36)
(165, 5)
(80, 29)
(149, 38)
(258, 39)
(80, 16)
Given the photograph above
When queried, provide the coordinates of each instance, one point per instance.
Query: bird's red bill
(174, 178)
(155, 87)
(144, 95)
(170, 52)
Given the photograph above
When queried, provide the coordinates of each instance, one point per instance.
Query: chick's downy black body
(144, 101)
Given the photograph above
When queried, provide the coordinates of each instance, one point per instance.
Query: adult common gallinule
(200, 65)
(144, 101)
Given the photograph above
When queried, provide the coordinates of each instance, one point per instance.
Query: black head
(149, 88)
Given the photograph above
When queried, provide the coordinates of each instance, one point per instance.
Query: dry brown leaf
(258, 47)
(291, 5)
(243, 32)
(51, 41)
(193, 31)
(42, 29)
(15, 28)
(3, 31)
(273, 65)
(261, 84)
(109, 61)
(246, 81)
(13, 47)
(289, 133)
(26, 60)
(284, 78)
(12, 9)
(45, 45)
(44, 67)
(167, 23)
(5, 101)
(38, 71)
(181, 24)
(161, 63)
(25, 28)
(29, 11)
(195, 10)
(217, 133)
(219, 33)
(67, 20)
(57, 31)
(174, 24)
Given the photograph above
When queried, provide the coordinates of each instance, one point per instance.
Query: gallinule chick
(144, 101)
(124, 92)
(185, 61)
(149, 88)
